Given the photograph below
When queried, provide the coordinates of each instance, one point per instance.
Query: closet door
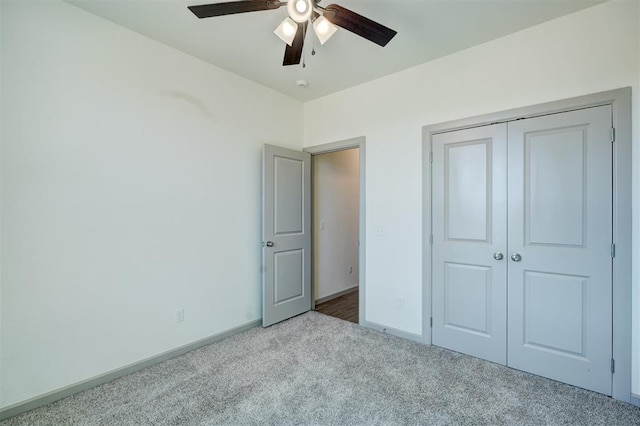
(560, 221)
(469, 238)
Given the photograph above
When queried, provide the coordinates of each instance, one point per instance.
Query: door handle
(516, 257)
(498, 256)
(270, 244)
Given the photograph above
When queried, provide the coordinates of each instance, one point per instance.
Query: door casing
(620, 100)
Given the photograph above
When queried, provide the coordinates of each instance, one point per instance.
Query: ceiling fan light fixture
(300, 10)
(301, 6)
(286, 30)
(324, 29)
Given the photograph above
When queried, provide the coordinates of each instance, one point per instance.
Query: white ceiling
(245, 44)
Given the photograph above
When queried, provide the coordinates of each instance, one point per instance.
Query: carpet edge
(63, 392)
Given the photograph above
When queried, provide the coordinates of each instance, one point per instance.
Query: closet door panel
(469, 228)
(560, 221)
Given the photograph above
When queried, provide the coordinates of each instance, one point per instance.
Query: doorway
(338, 229)
(335, 186)
(287, 229)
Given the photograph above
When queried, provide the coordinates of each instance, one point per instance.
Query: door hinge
(431, 157)
(613, 250)
(613, 365)
(431, 322)
(613, 134)
(431, 239)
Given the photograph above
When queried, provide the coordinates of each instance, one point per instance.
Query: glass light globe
(324, 29)
(301, 6)
(288, 28)
(300, 10)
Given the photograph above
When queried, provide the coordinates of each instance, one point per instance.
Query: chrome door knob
(498, 256)
(270, 244)
(516, 257)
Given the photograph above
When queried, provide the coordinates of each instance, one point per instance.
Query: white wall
(130, 187)
(1, 257)
(594, 50)
(635, 345)
(117, 153)
(335, 205)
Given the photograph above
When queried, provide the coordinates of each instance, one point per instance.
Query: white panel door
(469, 238)
(560, 221)
(286, 228)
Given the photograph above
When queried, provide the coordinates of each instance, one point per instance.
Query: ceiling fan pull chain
(304, 56)
(313, 46)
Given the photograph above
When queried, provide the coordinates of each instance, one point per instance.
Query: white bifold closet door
(530, 201)
(469, 231)
(560, 223)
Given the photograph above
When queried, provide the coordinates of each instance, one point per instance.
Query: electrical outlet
(350, 269)
(400, 303)
(179, 314)
(322, 225)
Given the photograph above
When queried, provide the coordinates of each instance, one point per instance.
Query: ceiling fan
(294, 27)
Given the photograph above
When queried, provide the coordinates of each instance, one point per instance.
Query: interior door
(469, 241)
(560, 235)
(286, 228)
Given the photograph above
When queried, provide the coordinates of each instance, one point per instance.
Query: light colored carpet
(314, 369)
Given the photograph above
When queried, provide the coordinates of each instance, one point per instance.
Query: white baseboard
(49, 397)
(336, 294)
(395, 332)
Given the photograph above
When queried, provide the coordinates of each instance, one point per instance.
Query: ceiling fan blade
(231, 7)
(293, 53)
(358, 24)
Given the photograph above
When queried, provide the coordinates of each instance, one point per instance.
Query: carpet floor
(314, 369)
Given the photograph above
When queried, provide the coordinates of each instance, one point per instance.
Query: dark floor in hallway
(344, 307)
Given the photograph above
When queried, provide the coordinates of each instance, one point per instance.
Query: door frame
(620, 101)
(357, 142)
